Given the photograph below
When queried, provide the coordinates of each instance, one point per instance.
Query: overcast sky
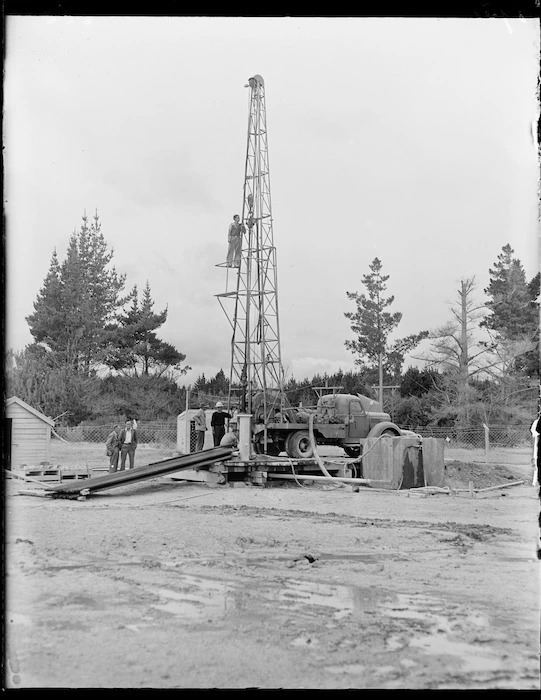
(412, 140)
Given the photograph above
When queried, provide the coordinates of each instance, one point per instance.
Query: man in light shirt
(200, 420)
(128, 445)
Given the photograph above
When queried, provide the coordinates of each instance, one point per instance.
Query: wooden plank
(26, 478)
(203, 475)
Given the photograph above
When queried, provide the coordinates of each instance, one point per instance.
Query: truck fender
(382, 427)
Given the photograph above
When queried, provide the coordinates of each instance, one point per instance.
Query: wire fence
(475, 438)
(159, 433)
(154, 433)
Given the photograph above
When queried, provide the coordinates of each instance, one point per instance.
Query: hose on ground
(314, 449)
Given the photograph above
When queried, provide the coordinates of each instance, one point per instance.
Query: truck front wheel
(298, 445)
(384, 429)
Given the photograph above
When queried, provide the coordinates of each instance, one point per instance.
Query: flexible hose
(293, 472)
(314, 449)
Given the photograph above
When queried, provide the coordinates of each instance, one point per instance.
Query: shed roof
(27, 407)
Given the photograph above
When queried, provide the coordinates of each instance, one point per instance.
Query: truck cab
(338, 419)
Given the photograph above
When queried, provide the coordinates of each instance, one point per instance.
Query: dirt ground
(169, 584)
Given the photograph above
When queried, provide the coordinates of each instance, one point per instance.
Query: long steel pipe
(345, 479)
(147, 471)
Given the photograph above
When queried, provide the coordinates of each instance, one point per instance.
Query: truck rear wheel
(298, 445)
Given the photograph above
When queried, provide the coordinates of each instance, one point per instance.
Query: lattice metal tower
(252, 306)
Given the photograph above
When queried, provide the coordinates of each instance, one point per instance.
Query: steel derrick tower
(252, 306)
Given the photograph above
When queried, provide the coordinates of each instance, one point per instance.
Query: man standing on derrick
(234, 237)
(217, 423)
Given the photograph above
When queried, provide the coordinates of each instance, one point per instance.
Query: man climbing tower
(234, 236)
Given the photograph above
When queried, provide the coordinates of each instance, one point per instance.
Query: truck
(338, 419)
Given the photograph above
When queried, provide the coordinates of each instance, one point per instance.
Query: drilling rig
(256, 379)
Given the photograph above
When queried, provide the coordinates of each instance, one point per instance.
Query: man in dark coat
(128, 445)
(112, 447)
(217, 423)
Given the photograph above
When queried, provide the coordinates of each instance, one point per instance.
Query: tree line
(96, 353)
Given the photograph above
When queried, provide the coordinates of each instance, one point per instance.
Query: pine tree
(78, 300)
(103, 287)
(511, 312)
(373, 325)
(47, 320)
(513, 317)
(134, 348)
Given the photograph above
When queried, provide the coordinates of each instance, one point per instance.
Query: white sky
(412, 140)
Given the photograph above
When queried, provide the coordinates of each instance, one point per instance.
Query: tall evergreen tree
(78, 299)
(134, 348)
(103, 286)
(373, 324)
(511, 311)
(513, 317)
(47, 321)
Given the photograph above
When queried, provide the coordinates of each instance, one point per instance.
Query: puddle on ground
(346, 668)
(437, 628)
(429, 624)
(471, 656)
(199, 598)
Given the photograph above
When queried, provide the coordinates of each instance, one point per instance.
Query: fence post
(188, 443)
(487, 441)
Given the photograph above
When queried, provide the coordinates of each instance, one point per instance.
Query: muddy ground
(166, 584)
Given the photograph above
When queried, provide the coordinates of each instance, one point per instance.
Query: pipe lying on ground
(500, 486)
(148, 471)
(343, 479)
(490, 488)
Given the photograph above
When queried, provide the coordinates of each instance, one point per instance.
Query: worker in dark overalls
(217, 423)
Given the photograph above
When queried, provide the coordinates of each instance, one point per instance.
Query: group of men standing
(217, 424)
(122, 443)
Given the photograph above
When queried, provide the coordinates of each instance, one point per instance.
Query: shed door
(358, 426)
(7, 442)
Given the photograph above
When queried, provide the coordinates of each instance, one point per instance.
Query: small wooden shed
(27, 434)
